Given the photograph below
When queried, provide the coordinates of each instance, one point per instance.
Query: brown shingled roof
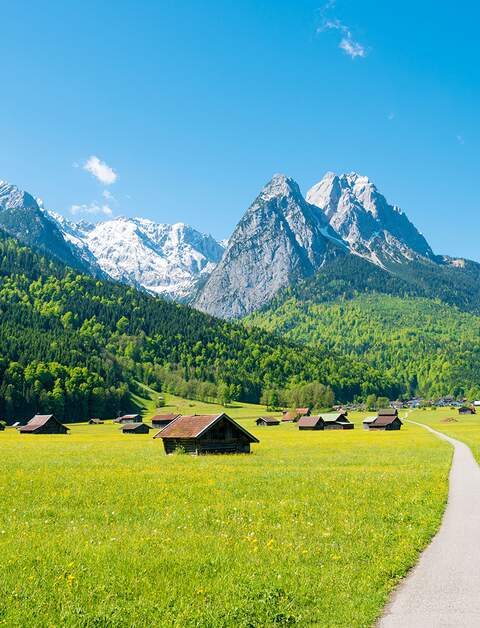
(388, 412)
(194, 425)
(309, 421)
(164, 417)
(385, 420)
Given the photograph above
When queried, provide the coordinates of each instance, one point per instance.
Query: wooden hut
(467, 410)
(266, 421)
(336, 421)
(386, 422)
(162, 420)
(311, 423)
(43, 424)
(128, 418)
(290, 416)
(135, 428)
(206, 434)
(95, 422)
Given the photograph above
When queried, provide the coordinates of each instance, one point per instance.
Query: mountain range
(282, 238)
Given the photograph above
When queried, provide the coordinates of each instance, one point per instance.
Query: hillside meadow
(98, 528)
(463, 427)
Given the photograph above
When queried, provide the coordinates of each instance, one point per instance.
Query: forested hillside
(426, 346)
(75, 345)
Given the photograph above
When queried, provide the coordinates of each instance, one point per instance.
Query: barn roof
(384, 420)
(129, 416)
(302, 410)
(289, 416)
(268, 419)
(164, 417)
(388, 412)
(309, 421)
(39, 420)
(194, 425)
(133, 426)
(335, 416)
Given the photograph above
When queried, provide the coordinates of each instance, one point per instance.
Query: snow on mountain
(362, 216)
(22, 217)
(169, 260)
(279, 239)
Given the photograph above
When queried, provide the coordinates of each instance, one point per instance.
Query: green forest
(77, 346)
(425, 345)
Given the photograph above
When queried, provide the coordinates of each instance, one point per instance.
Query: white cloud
(352, 48)
(347, 43)
(108, 195)
(100, 170)
(92, 209)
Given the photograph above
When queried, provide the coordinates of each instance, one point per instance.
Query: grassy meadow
(463, 427)
(102, 529)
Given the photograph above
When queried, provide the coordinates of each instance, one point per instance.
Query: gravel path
(444, 587)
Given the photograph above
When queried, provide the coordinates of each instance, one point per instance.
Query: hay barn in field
(206, 434)
(162, 420)
(43, 424)
(467, 410)
(135, 428)
(128, 418)
(266, 421)
(386, 420)
(336, 421)
(95, 422)
(310, 423)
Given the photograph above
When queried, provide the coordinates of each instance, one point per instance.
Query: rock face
(362, 216)
(280, 238)
(169, 260)
(22, 218)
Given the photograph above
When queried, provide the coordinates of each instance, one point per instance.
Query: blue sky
(189, 107)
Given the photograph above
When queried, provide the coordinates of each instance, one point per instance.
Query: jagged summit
(362, 216)
(280, 238)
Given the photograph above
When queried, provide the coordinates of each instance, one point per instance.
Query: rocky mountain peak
(373, 228)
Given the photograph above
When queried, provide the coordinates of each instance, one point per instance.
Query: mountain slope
(165, 259)
(362, 216)
(279, 239)
(422, 329)
(21, 217)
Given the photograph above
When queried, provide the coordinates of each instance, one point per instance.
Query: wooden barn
(95, 422)
(206, 434)
(128, 418)
(266, 421)
(43, 424)
(467, 410)
(135, 428)
(162, 420)
(336, 421)
(386, 421)
(311, 423)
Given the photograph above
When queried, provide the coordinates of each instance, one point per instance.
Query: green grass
(465, 427)
(98, 528)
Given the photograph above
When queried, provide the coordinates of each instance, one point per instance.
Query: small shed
(311, 423)
(366, 422)
(95, 422)
(336, 421)
(43, 424)
(388, 412)
(128, 418)
(386, 422)
(266, 421)
(162, 420)
(289, 417)
(303, 411)
(206, 434)
(467, 410)
(135, 428)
